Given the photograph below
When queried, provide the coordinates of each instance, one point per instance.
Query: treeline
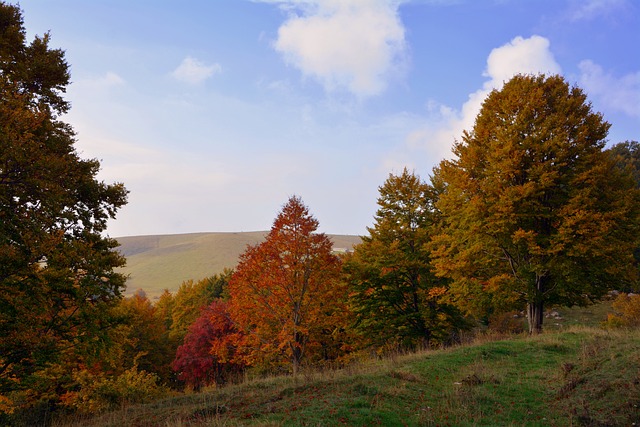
(533, 211)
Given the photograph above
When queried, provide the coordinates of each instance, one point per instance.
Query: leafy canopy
(534, 212)
(57, 278)
(394, 292)
(285, 292)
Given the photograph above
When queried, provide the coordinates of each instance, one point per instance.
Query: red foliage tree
(207, 354)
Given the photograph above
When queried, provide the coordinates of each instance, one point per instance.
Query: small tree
(208, 352)
(534, 212)
(285, 291)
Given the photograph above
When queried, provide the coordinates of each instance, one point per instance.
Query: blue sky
(213, 113)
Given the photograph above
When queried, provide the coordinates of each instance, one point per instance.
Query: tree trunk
(535, 312)
(297, 351)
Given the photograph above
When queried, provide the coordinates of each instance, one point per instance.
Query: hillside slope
(580, 377)
(159, 262)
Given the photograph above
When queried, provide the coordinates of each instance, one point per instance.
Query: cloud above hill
(352, 45)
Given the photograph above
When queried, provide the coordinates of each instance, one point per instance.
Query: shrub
(98, 392)
(627, 311)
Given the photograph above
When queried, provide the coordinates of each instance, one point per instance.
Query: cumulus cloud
(344, 44)
(617, 94)
(193, 71)
(520, 56)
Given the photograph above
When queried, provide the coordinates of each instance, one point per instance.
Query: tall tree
(57, 278)
(395, 295)
(286, 292)
(627, 157)
(535, 212)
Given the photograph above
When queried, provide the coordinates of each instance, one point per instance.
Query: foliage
(285, 294)
(140, 340)
(57, 279)
(627, 156)
(394, 293)
(209, 347)
(534, 212)
(191, 297)
(99, 392)
(626, 311)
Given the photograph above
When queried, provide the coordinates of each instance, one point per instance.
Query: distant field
(159, 262)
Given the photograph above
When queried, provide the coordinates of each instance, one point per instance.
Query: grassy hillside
(162, 262)
(580, 377)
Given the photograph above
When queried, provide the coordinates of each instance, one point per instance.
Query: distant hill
(159, 262)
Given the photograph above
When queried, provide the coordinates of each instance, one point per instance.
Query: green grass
(581, 376)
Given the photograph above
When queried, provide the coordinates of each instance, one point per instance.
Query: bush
(627, 311)
(97, 392)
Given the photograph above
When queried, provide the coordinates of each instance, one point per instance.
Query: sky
(214, 112)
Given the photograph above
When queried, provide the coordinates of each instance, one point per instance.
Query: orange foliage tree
(286, 294)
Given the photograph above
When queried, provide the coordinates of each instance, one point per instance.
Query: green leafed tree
(535, 213)
(394, 293)
(57, 278)
(627, 156)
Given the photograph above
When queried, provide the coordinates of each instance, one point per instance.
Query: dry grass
(582, 376)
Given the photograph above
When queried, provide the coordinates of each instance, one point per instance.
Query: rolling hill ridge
(159, 262)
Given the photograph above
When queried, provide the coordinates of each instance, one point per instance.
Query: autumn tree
(627, 156)
(141, 339)
(57, 278)
(535, 213)
(208, 354)
(191, 297)
(394, 293)
(286, 293)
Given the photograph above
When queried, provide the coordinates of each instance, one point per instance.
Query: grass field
(578, 377)
(155, 263)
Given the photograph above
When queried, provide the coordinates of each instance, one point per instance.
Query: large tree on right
(535, 213)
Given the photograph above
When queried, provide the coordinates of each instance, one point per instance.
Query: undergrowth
(578, 377)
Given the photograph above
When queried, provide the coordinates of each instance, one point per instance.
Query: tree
(141, 340)
(57, 278)
(285, 292)
(209, 348)
(395, 295)
(191, 297)
(627, 155)
(534, 211)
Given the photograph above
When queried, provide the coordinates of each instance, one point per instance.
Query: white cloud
(193, 71)
(519, 56)
(345, 44)
(616, 94)
(585, 10)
